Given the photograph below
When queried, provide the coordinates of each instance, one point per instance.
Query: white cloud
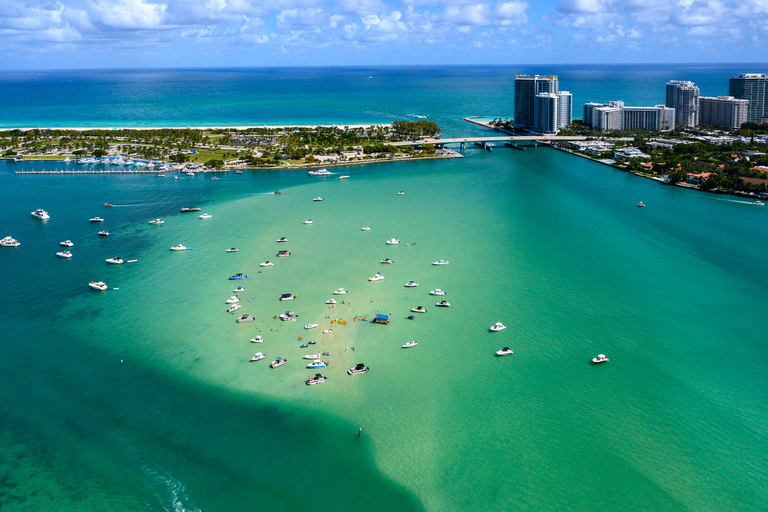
(475, 14)
(129, 14)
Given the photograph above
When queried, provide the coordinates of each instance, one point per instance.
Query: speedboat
(437, 291)
(312, 356)
(600, 359)
(504, 351)
(401, 193)
(640, 204)
(393, 241)
(233, 249)
(328, 353)
(104, 233)
(283, 254)
(214, 178)
(276, 192)
(443, 304)
(234, 308)
(232, 300)
(66, 243)
(108, 205)
(344, 177)
(116, 260)
(410, 344)
(282, 239)
(288, 316)
(257, 339)
(320, 172)
(387, 261)
(96, 219)
(308, 221)
(312, 343)
(317, 363)
(310, 326)
(157, 222)
(98, 285)
(41, 214)
(267, 264)
(187, 209)
(328, 331)
(64, 254)
(10, 242)
(377, 277)
(357, 369)
(205, 216)
(239, 289)
(239, 275)
(331, 301)
(277, 362)
(440, 262)
(238, 172)
(498, 327)
(411, 284)
(178, 248)
(244, 318)
(340, 291)
(758, 203)
(287, 296)
(365, 228)
(316, 379)
(258, 356)
(419, 309)
(318, 199)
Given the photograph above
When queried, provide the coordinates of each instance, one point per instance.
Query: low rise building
(626, 153)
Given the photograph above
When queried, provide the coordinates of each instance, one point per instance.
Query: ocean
(143, 397)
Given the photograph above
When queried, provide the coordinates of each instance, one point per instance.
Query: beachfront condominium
(683, 96)
(752, 87)
(615, 116)
(725, 111)
(564, 109)
(545, 113)
(527, 87)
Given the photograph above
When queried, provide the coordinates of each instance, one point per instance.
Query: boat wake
(169, 492)
(417, 115)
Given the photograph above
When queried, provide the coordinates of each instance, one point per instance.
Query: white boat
(308, 221)
(277, 362)
(504, 351)
(443, 304)
(387, 261)
(234, 308)
(9, 242)
(365, 228)
(401, 193)
(288, 316)
(98, 285)
(600, 359)
(317, 363)
(316, 379)
(104, 233)
(178, 248)
(233, 249)
(187, 209)
(282, 239)
(205, 216)
(283, 254)
(358, 369)
(411, 284)
(65, 243)
(157, 222)
(419, 309)
(64, 254)
(440, 262)
(116, 260)
(96, 219)
(640, 204)
(437, 291)
(328, 331)
(214, 178)
(239, 289)
(393, 241)
(343, 177)
(318, 199)
(267, 264)
(232, 300)
(331, 301)
(758, 203)
(410, 344)
(340, 291)
(312, 356)
(320, 172)
(257, 339)
(41, 214)
(244, 318)
(377, 277)
(287, 296)
(310, 326)
(258, 356)
(498, 326)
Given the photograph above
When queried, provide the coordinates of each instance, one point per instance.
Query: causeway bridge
(512, 139)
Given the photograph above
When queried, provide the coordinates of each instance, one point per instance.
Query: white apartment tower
(545, 113)
(683, 96)
(527, 87)
(724, 111)
(564, 109)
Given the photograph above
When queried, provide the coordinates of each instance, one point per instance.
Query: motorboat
(98, 285)
(640, 204)
(267, 264)
(104, 233)
(410, 317)
(393, 241)
(157, 222)
(343, 177)
(239, 289)
(96, 219)
(401, 193)
(108, 205)
(65, 243)
(437, 291)
(214, 178)
(411, 284)
(504, 351)
(758, 203)
(340, 291)
(276, 192)
(282, 239)
(318, 199)
(234, 308)
(440, 262)
(377, 277)
(178, 248)
(41, 214)
(331, 301)
(187, 209)
(419, 309)
(278, 362)
(283, 254)
(64, 254)
(317, 363)
(312, 342)
(312, 356)
(239, 275)
(288, 316)
(257, 339)
(316, 379)
(205, 216)
(244, 318)
(498, 326)
(287, 296)
(320, 172)
(258, 356)
(410, 344)
(358, 369)
(328, 331)
(232, 300)
(443, 304)
(308, 221)
(310, 326)
(365, 228)
(115, 260)
(600, 359)
(10, 242)
(233, 249)
(387, 261)
(327, 353)
(238, 172)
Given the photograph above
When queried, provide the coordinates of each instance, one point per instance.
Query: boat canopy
(380, 319)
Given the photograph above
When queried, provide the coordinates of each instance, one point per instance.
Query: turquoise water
(142, 397)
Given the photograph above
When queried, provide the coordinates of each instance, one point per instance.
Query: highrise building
(527, 87)
(589, 112)
(564, 109)
(683, 96)
(615, 116)
(724, 111)
(608, 117)
(752, 87)
(545, 112)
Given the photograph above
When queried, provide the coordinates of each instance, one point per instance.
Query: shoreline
(235, 127)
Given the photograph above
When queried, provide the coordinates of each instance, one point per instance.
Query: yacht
(310, 326)
(498, 327)
(440, 262)
(387, 261)
(9, 242)
(443, 304)
(377, 277)
(41, 214)
(187, 209)
(157, 222)
(234, 308)
(328, 331)
(600, 359)
(283, 254)
(205, 216)
(331, 301)
(232, 300)
(288, 316)
(437, 291)
(357, 369)
(267, 264)
(277, 362)
(65, 243)
(104, 233)
(98, 285)
(317, 379)
(257, 339)
(282, 239)
(410, 344)
(233, 249)
(308, 221)
(287, 296)
(393, 241)
(244, 318)
(320, 172)
(96, 219)
(178, 248)
(312, 356)
(419, 309)
(239, 275)
(344, 177)
(340, 291)
(365, 228)
(317, 363)
(504, 351)
(640, 204)
(318, 199)
(116, 260)
(64, 254)
(411, 284)
(258, 356)
(239, 289)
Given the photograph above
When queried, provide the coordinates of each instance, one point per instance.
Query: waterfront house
(697, 179)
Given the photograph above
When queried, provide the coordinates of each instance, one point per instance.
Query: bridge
(512, 139)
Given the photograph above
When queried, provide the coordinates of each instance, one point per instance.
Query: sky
(82, 34)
